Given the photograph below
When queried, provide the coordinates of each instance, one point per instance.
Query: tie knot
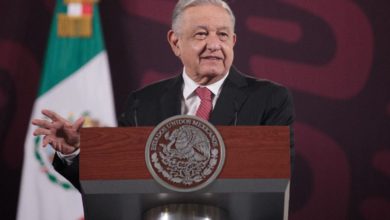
(204, 93)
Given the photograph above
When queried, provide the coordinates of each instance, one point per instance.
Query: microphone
(236, 109)
(135, 114)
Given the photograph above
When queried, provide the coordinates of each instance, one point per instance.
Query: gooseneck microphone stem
(135, 115)
(135, 118)
(236, 109)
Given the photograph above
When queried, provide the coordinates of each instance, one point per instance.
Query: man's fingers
(52, 115)
(46, 140)
(41, 131)
(57, 146)
(78, 124)
(52, 126)
(60, 133)
(41, 123)
(54, 144)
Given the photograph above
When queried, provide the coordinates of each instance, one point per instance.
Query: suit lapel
(230, 100)
(170, 100)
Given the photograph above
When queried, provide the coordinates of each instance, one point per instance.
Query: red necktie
(206, 105)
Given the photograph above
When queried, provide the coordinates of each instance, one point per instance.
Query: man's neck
(206, 80)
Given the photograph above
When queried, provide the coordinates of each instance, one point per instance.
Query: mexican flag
(75, 82)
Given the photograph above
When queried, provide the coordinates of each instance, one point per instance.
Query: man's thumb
(79, 123)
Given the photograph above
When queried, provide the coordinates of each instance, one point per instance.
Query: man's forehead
(212, 27)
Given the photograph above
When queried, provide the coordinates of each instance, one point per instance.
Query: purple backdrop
(332, 54)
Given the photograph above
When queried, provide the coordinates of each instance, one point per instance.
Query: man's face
(204, 43)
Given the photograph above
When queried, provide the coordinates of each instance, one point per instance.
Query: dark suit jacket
(243, 101)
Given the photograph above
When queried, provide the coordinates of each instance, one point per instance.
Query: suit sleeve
(70, 172)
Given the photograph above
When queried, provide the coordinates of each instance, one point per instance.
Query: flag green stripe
(64, 56)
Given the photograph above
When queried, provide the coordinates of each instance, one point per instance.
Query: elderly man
(203, 38)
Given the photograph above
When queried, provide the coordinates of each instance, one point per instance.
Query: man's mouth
(212, 58)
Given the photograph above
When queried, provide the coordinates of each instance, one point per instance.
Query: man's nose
(213, 43)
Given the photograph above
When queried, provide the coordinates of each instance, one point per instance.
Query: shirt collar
(190, 85)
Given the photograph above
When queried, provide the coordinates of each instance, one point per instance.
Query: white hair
(182, 5)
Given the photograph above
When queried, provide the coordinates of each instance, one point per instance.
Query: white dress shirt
(190, 101)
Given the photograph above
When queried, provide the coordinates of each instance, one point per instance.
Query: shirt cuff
(68, 158)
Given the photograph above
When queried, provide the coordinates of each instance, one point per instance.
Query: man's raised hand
(60, 133)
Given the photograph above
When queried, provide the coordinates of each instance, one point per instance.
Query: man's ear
(173, 40)
(234, 39)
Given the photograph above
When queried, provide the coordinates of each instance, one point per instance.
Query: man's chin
(213, 72)
(212, 76)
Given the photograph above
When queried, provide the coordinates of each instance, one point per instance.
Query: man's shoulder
(255, 84)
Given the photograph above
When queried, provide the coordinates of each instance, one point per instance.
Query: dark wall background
(332, 54)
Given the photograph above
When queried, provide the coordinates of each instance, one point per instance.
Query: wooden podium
(253, 184)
